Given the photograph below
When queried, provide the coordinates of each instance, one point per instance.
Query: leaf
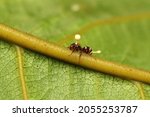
(28, 75)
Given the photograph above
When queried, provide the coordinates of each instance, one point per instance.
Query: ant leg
(71, 52)
(80, 57)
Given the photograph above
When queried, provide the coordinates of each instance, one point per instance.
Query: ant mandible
(76, 47)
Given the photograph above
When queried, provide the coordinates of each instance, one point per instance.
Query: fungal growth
(75, 47)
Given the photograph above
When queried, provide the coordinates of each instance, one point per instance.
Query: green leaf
(28, 75)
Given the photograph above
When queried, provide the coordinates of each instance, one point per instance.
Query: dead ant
(76, 47)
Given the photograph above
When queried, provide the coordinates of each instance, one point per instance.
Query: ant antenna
(96, 52)
(77, 38)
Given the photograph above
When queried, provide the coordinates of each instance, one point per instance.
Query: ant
(76, 47)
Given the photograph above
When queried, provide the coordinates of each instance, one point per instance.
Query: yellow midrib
(21, 72)
(140, 88)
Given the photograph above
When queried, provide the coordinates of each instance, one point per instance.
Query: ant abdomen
(87, 50)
